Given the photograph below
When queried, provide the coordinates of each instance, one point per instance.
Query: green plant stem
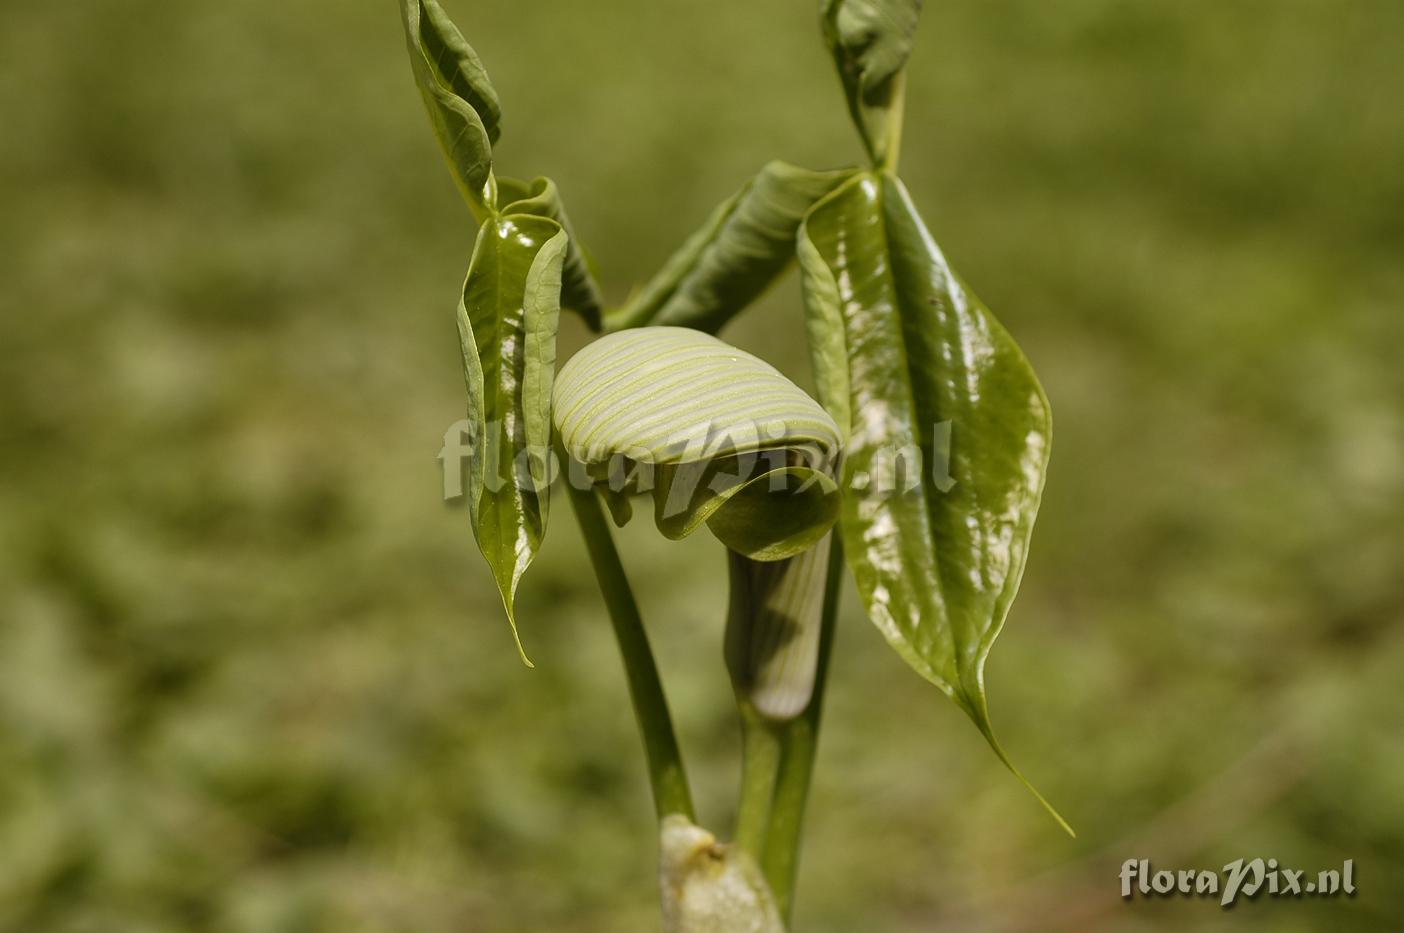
(665, 766)
(891, 149)
(799, 741)
(760, 759)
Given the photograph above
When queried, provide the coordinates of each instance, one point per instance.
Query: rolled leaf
(507, 324)
(714, 434)
(743, 247)
(924, 365)
(462, 104)
(870, 41)
(710, 887)
(772, 629)
(579, 290)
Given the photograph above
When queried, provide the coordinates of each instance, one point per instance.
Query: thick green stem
(665, 766)
(760, 758)
(798, 742)
(891, 146)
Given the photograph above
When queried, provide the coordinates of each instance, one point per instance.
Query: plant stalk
(891, 145)
(760, 760)
(666, 773)
(799, 740)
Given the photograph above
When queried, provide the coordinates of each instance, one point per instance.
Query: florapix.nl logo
(1241, 878)
(892, 469)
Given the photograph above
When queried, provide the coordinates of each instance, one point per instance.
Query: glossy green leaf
(937, 564)
(710, 887)
(870, 41)
(744, 246)
(507, 324)
(462, 104)
(714, 434)
(579, 290)
(772, 629)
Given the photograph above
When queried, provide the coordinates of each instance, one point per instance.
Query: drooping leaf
(714, 434)
(579, 290)
(924, 367)
(710, 887)
(772, 629)
(507, 324)
(870, 41)
(744, 246)
(462, 104)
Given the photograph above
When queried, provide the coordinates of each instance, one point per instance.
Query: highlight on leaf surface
(507, 323)
(461, 101)
(746, 243)
(906, 358)
(540, 197)
(713, 433)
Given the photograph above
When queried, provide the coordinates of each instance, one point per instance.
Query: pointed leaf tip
(507, 321)
(516, 633)
(979, 715)
(907, 359)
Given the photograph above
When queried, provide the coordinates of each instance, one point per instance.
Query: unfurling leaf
(507, 329)
(710, 887)
(713, 433)
(870, 41)
(929, 389)
(579, 291)
(745, 244)
(772, 629)
(461, 101)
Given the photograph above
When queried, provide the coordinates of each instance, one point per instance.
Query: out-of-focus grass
(253, 676)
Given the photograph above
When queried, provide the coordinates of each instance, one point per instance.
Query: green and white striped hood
(667, 394)
(714, 433)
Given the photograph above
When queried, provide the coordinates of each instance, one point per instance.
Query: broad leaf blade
(936, 569)
(713, 433)
(507, 327)
(462, 104)
(870, 41)
(744, 246)
(579, 290)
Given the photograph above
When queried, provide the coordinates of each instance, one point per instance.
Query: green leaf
(714, 434)
(870, 41)
(579, 290)
(466, 117)
(937, 564)
(507, 330)
(744, 246)
(462, 104)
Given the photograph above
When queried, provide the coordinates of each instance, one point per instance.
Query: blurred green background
(254, 677)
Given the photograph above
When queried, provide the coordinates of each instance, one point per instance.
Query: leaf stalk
(799, 740)
(666, 773)
(760, 762)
